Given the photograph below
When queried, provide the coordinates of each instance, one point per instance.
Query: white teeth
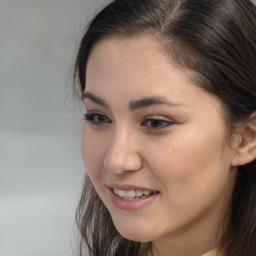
(139, 192)
(122, 193)
(132, 194)
(146, 192)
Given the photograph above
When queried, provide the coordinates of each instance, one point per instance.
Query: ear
(246, 150)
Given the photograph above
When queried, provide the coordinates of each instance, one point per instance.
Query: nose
(123, 154)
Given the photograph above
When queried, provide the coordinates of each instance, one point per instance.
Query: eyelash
(98, 119)
(156, 123)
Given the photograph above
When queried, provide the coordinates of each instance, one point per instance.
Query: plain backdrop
(40, 165)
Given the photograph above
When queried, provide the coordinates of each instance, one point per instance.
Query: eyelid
(163, 118)
(95, 112)
(90, 112)
(151, 122)
(154, 123)
(102, 118)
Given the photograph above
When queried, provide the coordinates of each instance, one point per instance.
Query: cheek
(190, 162)
(191, 180)
(92, 154)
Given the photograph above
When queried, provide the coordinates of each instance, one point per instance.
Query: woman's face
(154, 143)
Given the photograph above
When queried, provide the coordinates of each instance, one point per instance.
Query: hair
(215, 40)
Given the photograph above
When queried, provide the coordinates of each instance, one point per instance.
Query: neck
(209, 253)
(197, 239)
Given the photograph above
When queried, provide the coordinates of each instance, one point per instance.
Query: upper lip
(128, 187)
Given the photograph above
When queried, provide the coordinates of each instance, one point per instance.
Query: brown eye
(97, 118)
(153, 123)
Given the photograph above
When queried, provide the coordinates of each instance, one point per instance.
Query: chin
(134, 236)
(134, 232)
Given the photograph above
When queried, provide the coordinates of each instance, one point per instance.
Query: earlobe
(246, 151)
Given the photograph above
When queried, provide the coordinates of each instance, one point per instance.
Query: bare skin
(175, 145)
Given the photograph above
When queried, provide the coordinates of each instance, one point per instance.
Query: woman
(169, 142)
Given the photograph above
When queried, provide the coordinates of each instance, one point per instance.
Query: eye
(156, 123)
(96, 118)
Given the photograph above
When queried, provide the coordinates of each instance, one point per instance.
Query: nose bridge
(123, 152)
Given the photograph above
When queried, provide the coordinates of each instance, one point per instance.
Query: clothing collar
(210, 253)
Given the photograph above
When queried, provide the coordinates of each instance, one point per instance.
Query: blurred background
(40, 165)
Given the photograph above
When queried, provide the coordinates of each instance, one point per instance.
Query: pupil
(156, 123)
(101, 118)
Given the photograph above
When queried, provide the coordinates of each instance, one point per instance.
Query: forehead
(140, 42)
(120, 50)
(130, 60)
(123, 69)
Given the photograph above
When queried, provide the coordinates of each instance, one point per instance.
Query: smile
(133, 194)
(129, 199)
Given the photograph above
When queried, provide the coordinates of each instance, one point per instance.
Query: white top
(210, 253)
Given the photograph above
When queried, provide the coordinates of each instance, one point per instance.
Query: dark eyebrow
(146, 102)
(94, 98)
(136, 104)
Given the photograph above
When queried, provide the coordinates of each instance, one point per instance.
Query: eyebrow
(94, 98)
(136, 104)
(157, 100)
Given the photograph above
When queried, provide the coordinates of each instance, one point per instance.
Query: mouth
(129, 198)
(133, 194)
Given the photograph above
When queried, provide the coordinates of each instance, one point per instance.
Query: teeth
(122, 193)
(139, 192)
(132, 194)
(146, 192)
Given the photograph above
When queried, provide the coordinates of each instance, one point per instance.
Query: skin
(186, 158)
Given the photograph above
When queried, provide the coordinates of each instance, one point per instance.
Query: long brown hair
(216, 41)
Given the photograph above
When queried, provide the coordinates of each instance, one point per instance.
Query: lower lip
(131, 205)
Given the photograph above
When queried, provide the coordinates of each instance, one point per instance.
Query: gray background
(40, 165)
